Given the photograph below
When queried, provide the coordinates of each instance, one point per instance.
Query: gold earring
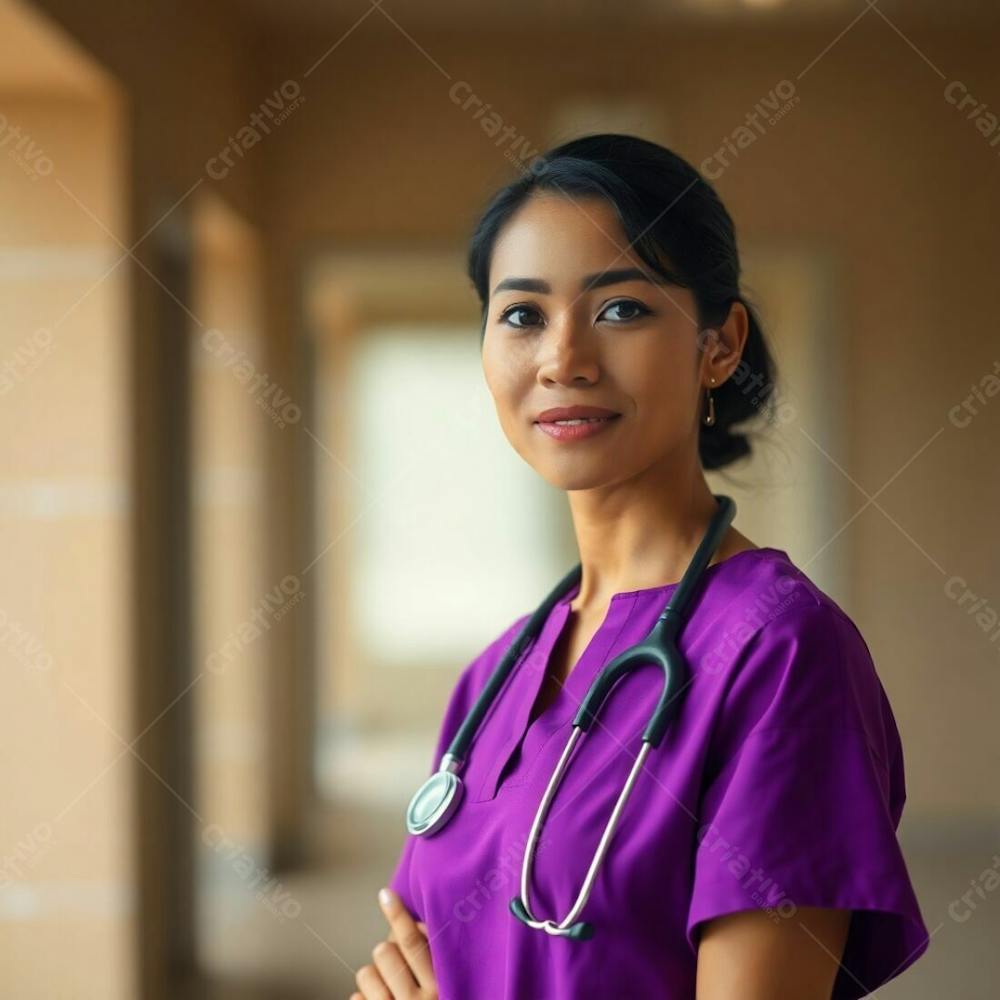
(710, 418)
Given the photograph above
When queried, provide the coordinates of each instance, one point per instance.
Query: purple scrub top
(779, 784)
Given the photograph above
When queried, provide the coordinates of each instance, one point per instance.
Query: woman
(756, 856)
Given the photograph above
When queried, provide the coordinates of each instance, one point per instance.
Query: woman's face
(628, 345)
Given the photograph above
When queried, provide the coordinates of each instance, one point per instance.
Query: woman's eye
(528, 316)
(514, 310)
(637, 310)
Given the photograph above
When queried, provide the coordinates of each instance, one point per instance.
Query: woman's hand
(402, 969)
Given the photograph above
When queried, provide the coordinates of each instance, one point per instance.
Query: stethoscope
(437, 798)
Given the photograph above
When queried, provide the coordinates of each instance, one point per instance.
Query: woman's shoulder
(477, 671)
(766, 595)
(471, 681)
(794, 658)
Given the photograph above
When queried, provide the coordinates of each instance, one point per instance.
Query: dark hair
(666, 208)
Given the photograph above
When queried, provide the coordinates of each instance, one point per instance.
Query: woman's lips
(576, 430)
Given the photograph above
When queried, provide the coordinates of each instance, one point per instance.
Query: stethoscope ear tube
(433, 804)
(677, 677)
(459, 746)
(658, 647)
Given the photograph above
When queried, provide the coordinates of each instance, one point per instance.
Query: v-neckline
(561, 612)
(528, 735)
(544, 687)
(573, 674)
(528, 675)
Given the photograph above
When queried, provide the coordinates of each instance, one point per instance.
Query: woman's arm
(752, 956)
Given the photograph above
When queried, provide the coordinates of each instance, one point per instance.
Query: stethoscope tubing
(563, 927)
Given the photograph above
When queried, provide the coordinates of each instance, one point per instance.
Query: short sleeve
(470, 682)
(803, 796)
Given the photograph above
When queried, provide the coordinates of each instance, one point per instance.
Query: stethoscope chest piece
(434, 802)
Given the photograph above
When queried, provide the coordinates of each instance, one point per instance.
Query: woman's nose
(568, 352)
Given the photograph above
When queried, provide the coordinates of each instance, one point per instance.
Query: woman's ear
(726, 348)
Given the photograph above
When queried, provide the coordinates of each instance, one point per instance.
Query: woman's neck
(631, 539)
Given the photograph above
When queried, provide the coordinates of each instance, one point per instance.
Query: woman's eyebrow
(598, 280)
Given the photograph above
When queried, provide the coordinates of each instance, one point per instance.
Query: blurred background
(241, 576)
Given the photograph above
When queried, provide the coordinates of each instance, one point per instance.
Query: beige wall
(181, 74)
(66, 836)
